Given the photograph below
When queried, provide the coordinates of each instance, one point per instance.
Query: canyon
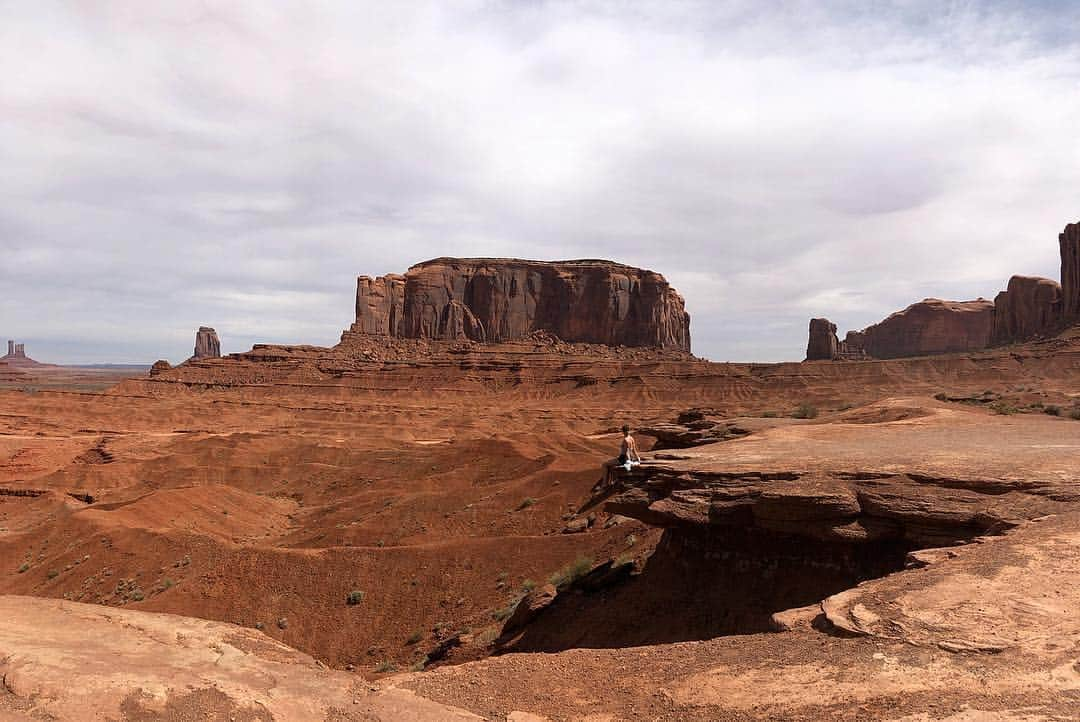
(422, 521)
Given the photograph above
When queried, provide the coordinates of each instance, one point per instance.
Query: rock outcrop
(498, 300)
(16, 356)
(379, 305)
(930, 326)
(1031, 306)
(1069, 241)
(207, 344)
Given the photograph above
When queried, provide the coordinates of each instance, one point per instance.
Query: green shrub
(571, 572)
(769, 414)
(415, 637)
(1004, 409)
(23, 567)
(805, 411)
(528, 585)
(525, 503)
(386, 666)
(1052, 410)
(354, 597)
(53, 574)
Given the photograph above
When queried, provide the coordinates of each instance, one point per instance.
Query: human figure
(628, 453)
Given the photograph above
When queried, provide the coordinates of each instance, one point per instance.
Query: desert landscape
(423, 521)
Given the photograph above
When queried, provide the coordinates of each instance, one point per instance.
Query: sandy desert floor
(356, 527)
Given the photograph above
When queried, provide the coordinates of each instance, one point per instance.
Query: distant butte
(16, 356)
(498, 300)
(1030, 308)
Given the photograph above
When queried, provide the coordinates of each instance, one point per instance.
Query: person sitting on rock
(628, 453)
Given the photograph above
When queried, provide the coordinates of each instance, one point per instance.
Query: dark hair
(626, 428)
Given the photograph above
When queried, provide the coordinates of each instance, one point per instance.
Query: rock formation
(1069, 241)
(16, 355)
(1031, 306)
(207, 344)
(497, 300)
(379, 304)
(823, 344)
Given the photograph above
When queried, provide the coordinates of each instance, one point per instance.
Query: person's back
(628, 450)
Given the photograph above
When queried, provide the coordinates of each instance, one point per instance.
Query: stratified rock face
(1030, 307)
(379, 304)
(1070, 272)
(207, 344)
(823, 344)
(497, 300)
(931, 326)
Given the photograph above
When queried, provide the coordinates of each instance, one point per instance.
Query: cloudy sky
(165, 165)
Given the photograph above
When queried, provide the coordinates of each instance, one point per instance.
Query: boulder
(530, 606)
(1030, 307)
(498, 300)
(207, 344)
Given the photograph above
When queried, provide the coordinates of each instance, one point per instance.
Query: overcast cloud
(167, 165)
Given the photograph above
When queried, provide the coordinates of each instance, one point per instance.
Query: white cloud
(237, 164)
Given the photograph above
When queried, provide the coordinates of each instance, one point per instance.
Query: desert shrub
(386, 666)
(1074, 413)
(525, 503)
(1052, 410)
(419, 665)
(805, 411)
(137, 595)
(1003, 408)
(415, 637)
(769, 414)
(53, 574)
(23, 567)
(528, 585)
(571, 572)
(487, 636)
(354, 597)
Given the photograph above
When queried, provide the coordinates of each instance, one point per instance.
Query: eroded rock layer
(1069, 241)
(1030, 307)
(496, 300)
(207, 344)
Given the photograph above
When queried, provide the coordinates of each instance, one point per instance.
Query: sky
(236, 164)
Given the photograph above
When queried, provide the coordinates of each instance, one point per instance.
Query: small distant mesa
(16, 355)
(493, 300)
(1030, 308)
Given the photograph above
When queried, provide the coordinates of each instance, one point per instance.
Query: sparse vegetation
(385, 667)
(53, 574)
(525, 503)
(1052, 410)
(1074, 413)
(571, 572)
(23, 567)
(769, 414)
(414, 638)
(805, 411)
(354, 597)
(528, 585)
(136, 595)
(419, 665)
(1004, 408)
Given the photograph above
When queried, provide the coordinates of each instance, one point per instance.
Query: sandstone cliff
(1069, 241)
(207, 344)
(496, 300)
(379, 304)
(1031, 306)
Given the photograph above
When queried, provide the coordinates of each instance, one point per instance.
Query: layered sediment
(1031, 307)
(499, 300)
